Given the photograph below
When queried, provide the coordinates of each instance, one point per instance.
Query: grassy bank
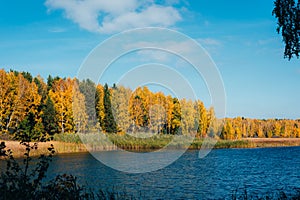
(98, 142)
(71, 143)
(60, 147)
(273, 142)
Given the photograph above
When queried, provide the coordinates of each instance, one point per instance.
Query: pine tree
(176, 117)
(49, 117)
(29, 129)
(109, 122)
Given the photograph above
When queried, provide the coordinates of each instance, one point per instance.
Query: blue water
(216, 176)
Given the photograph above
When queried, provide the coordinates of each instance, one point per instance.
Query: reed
(72, 143)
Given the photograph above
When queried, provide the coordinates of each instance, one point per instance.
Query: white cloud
(112, 16)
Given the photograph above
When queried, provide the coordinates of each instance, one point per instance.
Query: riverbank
(273, 142)
(60, 148)
(148, 144)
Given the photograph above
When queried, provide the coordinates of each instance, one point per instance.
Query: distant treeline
(33, 107)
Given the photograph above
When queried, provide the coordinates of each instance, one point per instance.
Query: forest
(33, 107)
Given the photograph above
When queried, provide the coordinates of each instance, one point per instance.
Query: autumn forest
(29, 105)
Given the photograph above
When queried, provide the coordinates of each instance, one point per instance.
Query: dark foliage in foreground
(287, 13)
(22, 181)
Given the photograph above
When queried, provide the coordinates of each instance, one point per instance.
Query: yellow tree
(203, 121)
(23, 99)
(169, 111)
(79, 110)
(296, 130)
(100, 113)
(6, 95)
(277, 128)
(187, 117)
(238, 125)
(120, 107)
(139, 105)
(228, 130)
(62, 96)
(287, 128)
(157, 112)
(260, 132)
(136, 110)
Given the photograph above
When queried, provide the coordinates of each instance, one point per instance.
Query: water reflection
(213, 177)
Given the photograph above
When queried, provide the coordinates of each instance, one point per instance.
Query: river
(216, 176)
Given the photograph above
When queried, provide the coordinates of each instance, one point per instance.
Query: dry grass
(274, 142)
(67, 147)
(60, 147)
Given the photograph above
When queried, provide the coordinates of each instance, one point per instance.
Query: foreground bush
(25, 180)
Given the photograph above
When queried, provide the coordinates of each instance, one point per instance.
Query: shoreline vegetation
(79, 114)
(75, 143)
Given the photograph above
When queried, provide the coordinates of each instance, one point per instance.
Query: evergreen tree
(42, 87)
(48, 117)
(109, 122)
(27, 76)
(51, 80)
(176, 117)
(29, 129)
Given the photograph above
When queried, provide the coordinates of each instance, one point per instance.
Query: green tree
(27, 76)
(110, 125)
(29, 129)
(42, 88)
(287, 13)
(49, 119)
(176, 117)
(50, 81)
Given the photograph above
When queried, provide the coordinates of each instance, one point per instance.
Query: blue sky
(55, 36)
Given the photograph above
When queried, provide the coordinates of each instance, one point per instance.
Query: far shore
(65, 148)
(274, 142)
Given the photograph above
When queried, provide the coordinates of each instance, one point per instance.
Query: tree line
(33, 107)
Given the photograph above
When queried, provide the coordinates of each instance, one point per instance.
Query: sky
(56, 36)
